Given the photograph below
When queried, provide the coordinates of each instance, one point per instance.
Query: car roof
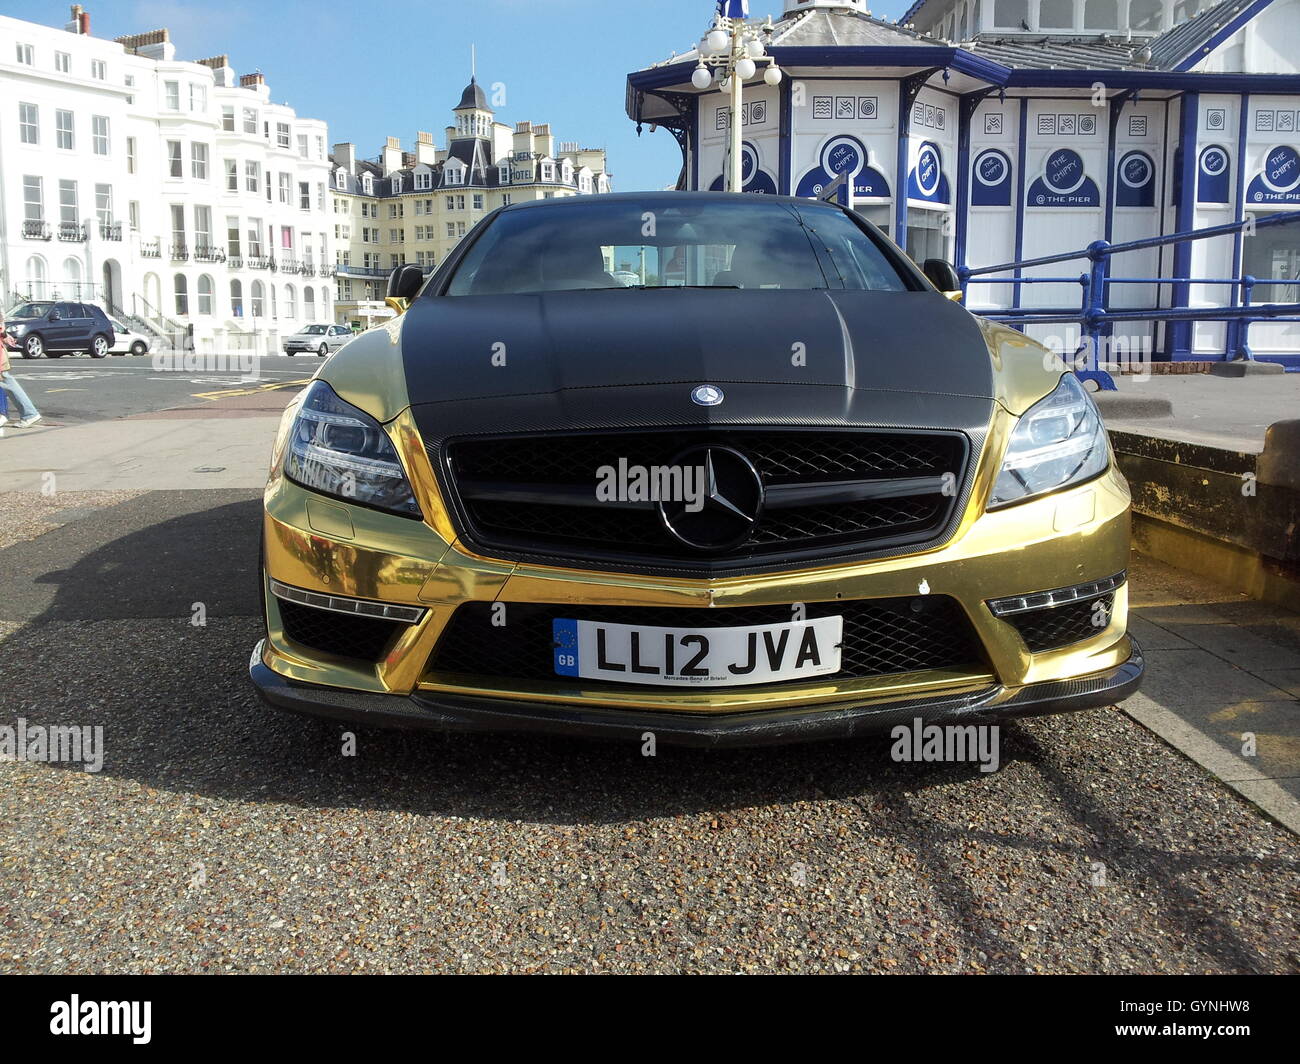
(668, 199)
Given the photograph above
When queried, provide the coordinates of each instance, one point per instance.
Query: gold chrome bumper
(318, 544)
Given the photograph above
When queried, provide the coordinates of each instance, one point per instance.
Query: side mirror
(405, 282)
(942, 274)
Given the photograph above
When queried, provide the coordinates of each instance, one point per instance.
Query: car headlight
(1059, 441)
(16, 330)
(338, 450)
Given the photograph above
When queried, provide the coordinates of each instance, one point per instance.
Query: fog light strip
(1062, 596)
(354, 607)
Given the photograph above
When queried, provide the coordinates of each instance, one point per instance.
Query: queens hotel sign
(1021, 143)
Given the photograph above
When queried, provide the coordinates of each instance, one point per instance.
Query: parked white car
(319, 340)
(128, 341)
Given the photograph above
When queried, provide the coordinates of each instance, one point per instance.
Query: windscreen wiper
(665, 287)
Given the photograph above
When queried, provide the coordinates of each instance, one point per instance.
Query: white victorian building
(170, 192)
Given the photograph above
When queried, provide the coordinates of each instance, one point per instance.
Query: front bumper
(452, 713)
(328, 547)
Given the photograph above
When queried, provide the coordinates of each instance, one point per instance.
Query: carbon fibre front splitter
(754, 728)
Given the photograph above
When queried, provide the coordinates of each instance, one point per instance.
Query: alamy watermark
(919, 741)
(627, 482)
(68, 743)
(243, 365)
(1117, 353)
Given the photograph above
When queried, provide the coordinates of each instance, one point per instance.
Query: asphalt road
(221, 835)
(77, 389)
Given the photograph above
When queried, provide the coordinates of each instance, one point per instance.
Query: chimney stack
(80, 21)
(545, 142)
(345, 155)
(156, 44)
(524, 138)
(425, 151)
(222, 74)
(391, 159)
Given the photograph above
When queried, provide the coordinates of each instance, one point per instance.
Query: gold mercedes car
(722, 469)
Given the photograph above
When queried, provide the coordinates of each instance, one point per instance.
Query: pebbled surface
(224, 836)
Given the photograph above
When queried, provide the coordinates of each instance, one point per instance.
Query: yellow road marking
(213, 397)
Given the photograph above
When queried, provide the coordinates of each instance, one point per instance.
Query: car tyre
(323, 350)
(291, 353)
(99, 346)
(33, 346)
(139, 348)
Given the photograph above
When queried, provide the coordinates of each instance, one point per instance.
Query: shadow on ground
(105, 638)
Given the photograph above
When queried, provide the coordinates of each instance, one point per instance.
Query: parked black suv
(55, 329)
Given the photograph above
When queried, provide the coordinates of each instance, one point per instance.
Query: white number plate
(711, 657)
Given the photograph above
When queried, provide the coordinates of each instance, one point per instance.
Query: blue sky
(388, 68)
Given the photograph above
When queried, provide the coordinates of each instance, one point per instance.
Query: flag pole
(737, 92)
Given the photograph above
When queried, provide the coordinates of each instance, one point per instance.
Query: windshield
(314, 330)
(31, 310)
(631, 245)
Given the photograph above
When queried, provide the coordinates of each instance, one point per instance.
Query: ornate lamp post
(731, 53)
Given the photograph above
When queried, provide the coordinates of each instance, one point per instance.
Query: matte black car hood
(630, 357)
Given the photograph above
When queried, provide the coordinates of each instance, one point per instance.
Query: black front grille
(535, 496)
(361, 638)
(881, 636)
(1058, 626)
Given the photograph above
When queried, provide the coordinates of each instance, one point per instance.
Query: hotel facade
(175, 194)
(997, 131)
(415, 206)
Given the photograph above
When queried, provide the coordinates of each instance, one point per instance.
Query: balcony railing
(150, 249)
(110, 231)
(256, 262)
(290, 266)
(234, 263)
(361, 271)
(37, 231)
(208, 253)
(180, 253)
(326, 270)
(73, 232)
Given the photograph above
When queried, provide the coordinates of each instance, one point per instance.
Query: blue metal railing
(1095, 315)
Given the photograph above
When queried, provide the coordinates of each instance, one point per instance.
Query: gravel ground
(26, 515)
(222, 836)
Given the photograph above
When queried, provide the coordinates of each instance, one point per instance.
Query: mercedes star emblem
(733, 501)
(707, 395)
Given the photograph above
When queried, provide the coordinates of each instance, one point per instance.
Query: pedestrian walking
(27, 412)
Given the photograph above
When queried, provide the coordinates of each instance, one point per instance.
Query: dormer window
(368, 184)
(423, 180)
(341, 179)
(454, 175)
(504, 177)
(548, 171)
(397, 185)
